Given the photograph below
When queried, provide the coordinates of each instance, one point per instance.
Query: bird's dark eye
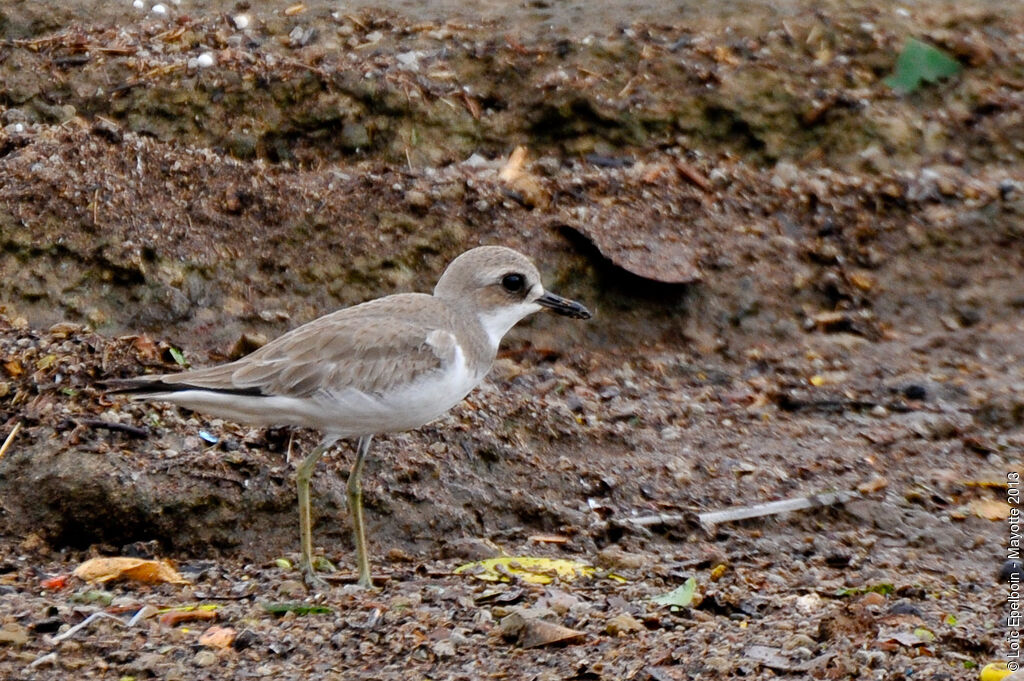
(513, 283)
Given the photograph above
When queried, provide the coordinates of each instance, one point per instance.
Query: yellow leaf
(201, 607)
(994, 671)
(533, 570)
(994, 483)
(990, 509)
(137, 569)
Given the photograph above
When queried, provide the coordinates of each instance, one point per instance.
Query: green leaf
(179, 357)
(919, 62)
(924, 634)
(297, 608)
(951, 619)
(680, 597)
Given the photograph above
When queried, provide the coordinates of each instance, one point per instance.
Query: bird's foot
(313, 582)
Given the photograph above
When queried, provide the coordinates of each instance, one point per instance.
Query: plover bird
(388, 365)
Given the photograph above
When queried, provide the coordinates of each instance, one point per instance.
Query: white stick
(712, 518)
(83, 624)
(10, 439)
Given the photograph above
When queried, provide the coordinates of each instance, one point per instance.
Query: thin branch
(83, 624)
(712, 518)
(10, 439)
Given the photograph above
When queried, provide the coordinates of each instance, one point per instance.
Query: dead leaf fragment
(772, 658)
(875, 484)
(136, 569)
(518, 179)
(530, 569)
(218, 637)
(14, 633)
(904, 638)
(13, 368)
(530, 632)
(990, 509)
(175, 617)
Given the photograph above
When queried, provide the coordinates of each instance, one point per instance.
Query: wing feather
(354, 348)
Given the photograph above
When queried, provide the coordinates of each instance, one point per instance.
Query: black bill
(564, 306)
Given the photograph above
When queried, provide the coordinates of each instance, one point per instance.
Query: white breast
(351, 413)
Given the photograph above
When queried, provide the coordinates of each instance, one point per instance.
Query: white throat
(498, 321)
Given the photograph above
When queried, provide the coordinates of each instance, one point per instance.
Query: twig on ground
(48, 658)
(10, 439)
(82, 625)
(656, 519)
(712, 518)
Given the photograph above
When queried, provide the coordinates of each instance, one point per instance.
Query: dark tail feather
(144, 385)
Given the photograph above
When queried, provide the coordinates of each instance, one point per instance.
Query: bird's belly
(355, 413)
(345, 412)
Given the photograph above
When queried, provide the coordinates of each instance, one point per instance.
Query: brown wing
(370, 347)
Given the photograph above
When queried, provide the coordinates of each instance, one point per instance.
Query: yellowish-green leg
(303, 474)
(355, 508)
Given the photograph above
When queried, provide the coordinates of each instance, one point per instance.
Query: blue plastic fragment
(208, 437)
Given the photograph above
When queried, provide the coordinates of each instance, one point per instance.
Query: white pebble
(205, 59)
(241, 21)
(159, 9)
(138, 4)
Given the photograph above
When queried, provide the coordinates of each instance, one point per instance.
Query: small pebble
(444, 648)
(872, 598)
(246, 639)
(241, 21)
(623, 624)
(205, 60)
(159, 9)
(205, 658)
(291, 588)
(1013, 568)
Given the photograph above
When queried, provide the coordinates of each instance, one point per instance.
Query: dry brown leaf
(530, 632)
(175, 617)
(990, 509)
(515, 176)
(875, 484)
(136, 569)
(146, 348)
(218, 637)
